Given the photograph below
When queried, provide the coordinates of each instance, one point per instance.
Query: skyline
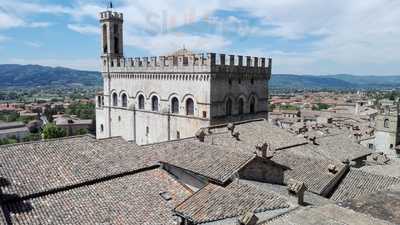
(302, 37)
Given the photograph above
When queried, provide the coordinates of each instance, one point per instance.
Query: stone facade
(148, 100)
(387, 135)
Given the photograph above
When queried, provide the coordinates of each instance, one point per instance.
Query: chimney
(332, 169)
(200, 135)
(236, 135)
(231, 127)
(296, 191)
(313, 139)
(248, 219)
(266, 150)
(178, 220)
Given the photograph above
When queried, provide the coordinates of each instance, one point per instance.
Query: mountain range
(30, 76)
(22, 76)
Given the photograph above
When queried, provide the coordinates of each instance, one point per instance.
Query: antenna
(110, 5)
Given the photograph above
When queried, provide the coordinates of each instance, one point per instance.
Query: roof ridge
(79, 185)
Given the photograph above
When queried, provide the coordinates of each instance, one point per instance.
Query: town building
(148, 100)
(387, 132)
(16, 130)
(72, 124)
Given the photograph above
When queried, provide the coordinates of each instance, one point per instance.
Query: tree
(7, 141)
(51, 131)
(82, 110)
(82, 131)
(320, 106)
(32, 137)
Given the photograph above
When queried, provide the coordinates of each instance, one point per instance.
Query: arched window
(141, 102)
(241, 106)
(175, 105)
(124, 100)
(115, 99)
(101, 127)
(154, 103)
(386, 123)
(189, 107)
(228, 107)
(99, 101)
(252, 105)
(105, 48)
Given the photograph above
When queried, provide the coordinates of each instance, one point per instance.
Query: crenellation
(161, 61)
(210, 60)
(231, 60)
(137, 62)
(222, 59)
(248, 61)
(255, 62)
(111, 15)
(199, 58)
(192, 62)
(240, 60)
(131, 62)
(181, 60)
(145, 61)
(153, 61)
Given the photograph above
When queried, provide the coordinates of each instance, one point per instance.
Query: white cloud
(40, 24)
(84, 29)
(33, 44)
(10, 21)
(340, 36)
(170, 42)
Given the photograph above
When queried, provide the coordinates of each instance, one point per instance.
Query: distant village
(21, 122)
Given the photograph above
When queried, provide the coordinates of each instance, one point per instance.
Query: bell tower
(112, 33)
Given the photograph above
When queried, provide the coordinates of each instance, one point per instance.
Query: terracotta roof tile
(358, 183)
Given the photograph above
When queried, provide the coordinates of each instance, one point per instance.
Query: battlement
(192, 60)
(109, 15)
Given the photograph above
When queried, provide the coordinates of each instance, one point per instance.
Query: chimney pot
(236, 135)
(332, 168)
(200, 135)
(296, 190)
(248, 219)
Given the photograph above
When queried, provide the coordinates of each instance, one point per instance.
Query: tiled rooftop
(309, 197)
(36, 167)
(4, 125)
(214, 162)
(217, 203)
(312, 171)
(392, 168)
(358, 183)
(304, 162)
(326, 215)
(340, 147)
(383, 205)
(255, 132)
(133, 199)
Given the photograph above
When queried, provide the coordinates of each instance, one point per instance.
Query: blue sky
(302, 36)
